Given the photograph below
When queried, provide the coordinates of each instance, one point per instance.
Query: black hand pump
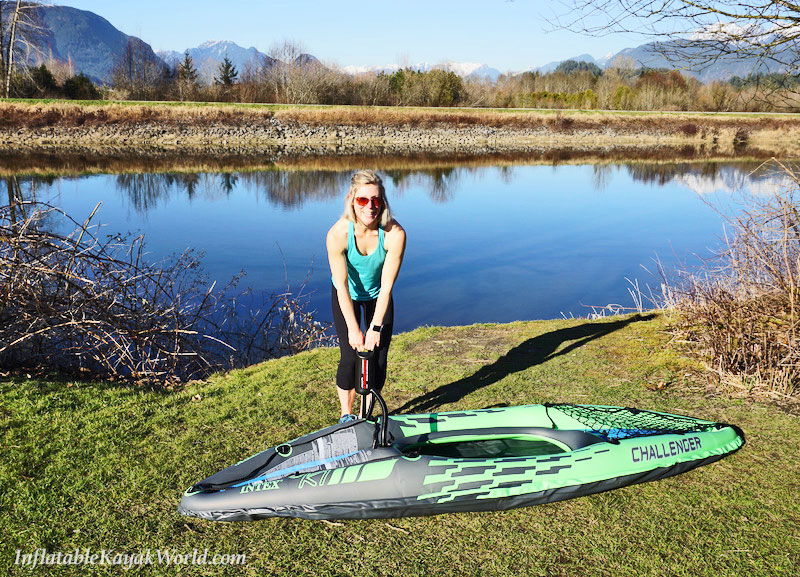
(365, 373)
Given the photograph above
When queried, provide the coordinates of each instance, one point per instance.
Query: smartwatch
(377, 328)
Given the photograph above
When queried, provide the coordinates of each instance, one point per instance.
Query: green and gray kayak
(482, 460)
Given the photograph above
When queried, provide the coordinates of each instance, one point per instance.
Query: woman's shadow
(530, 353)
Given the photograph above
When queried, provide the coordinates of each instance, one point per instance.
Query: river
(485, 243)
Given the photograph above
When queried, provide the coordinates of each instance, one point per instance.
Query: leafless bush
(80, 303)
(743, 308)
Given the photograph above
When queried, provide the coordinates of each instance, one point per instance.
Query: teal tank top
(364, 272)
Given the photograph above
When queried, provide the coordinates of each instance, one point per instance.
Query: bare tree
(138, 72)
(699, 32)
(296, 77)
(19, 33)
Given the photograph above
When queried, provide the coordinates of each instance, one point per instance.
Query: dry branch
(743, 307)
(82, 303)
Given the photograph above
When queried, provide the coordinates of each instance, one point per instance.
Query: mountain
(93, 46)
(90, 42)
(651, 55)
(551, 66)
(209, 55)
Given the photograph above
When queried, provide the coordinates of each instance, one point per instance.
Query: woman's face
(367, 203)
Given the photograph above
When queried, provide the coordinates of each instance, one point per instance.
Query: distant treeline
(306, 81)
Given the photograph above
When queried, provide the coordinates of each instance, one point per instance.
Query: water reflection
(706, 178)
(549, 239)
(291, 189)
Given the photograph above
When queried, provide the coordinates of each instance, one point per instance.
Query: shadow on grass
(534, 351)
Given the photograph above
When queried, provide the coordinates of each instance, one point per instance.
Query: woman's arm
(395, 244)
(336, 243)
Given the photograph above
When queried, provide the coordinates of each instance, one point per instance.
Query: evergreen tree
(186, 78)
(227, 73)
(80, 88)
(186, 70)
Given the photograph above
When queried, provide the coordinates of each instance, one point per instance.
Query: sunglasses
(375, 201)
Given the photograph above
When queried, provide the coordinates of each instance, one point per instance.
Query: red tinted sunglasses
(364, 201)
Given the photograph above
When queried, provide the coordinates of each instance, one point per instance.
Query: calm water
(484, 244)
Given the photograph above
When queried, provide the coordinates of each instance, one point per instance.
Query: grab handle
(364, 372)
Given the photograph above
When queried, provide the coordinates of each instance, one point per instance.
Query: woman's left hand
(372, 340)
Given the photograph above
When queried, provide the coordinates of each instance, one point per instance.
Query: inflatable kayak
(489, 459)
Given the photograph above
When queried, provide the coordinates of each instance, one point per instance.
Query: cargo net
(615, 423)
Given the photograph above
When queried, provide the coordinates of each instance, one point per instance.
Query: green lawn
(103, 466)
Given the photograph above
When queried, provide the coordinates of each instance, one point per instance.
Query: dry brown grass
(743, 308)
(66, 114)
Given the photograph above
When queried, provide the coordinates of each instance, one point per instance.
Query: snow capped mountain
(209, 55)
(603, 61)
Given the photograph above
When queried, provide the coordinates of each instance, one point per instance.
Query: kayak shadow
(534, 351)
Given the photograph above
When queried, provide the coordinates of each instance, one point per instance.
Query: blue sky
(507, 35)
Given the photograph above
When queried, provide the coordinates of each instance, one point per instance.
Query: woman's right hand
(356, 339)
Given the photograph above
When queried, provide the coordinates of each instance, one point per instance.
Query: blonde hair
(359, 179)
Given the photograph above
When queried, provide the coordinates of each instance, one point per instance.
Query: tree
(80, 88)
(186, 77)
(699, 32)
(570, 66)
(138, 72)
(19, 37)
(227, 73)
(38, 83)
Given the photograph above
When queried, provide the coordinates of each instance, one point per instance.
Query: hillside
(89, 41)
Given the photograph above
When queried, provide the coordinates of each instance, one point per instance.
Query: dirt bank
(81, 128)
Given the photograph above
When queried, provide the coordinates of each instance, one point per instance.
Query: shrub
(743, 308)
(81, 303)
(80, 88)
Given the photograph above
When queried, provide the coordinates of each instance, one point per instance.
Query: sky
(503, 34)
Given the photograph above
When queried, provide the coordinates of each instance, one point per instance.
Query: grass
(103, 466)
(111, 126)
(45, 112)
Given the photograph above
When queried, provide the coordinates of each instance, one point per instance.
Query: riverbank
(101, 466)
(90, 127)
(665, 159)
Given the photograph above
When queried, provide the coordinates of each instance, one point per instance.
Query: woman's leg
(382, 351)
(346, 371)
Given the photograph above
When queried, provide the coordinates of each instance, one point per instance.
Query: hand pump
(364, 387)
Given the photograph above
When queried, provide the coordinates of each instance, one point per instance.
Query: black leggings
(346, 373)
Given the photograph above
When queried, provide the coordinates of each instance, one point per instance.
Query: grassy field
(103, 466)
(443, 110)
(63, 126)
(47, 112)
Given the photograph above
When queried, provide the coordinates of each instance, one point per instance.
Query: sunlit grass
(103, 466)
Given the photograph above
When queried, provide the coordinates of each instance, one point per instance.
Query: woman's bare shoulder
(394, 228)
(337, 235)
(339, 228)
(395, 235)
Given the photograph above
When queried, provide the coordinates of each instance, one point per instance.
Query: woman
(365, 251)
